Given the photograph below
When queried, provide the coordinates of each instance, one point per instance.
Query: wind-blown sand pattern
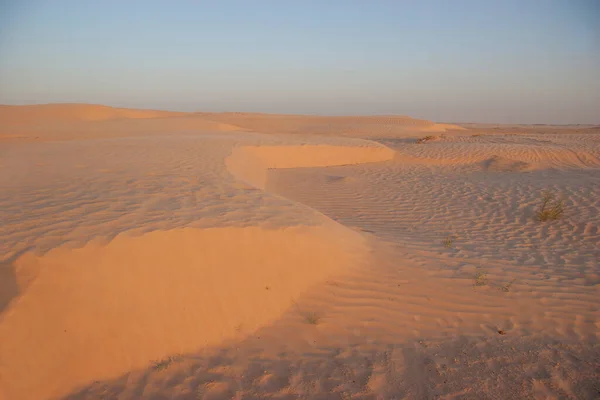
(163, 255)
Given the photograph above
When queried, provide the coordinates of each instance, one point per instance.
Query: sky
(501, 61)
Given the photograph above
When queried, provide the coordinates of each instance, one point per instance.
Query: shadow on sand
(9, 288)
(465, 367)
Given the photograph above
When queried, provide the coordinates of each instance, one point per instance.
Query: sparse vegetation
(506, 287)
(449, 241)
(550, 208)
(159, 365)
(312, 318)
(425, 139)
(480, 278)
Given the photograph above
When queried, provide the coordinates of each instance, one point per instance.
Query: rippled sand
(159, 255)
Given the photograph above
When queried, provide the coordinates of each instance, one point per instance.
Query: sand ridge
(252, 163)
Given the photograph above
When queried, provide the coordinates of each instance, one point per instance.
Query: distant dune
(57, 122)
(23, 115)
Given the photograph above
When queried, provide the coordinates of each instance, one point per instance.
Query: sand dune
(229, 255)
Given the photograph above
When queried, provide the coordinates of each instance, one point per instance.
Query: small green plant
(506, 287)
(449, 241)
(481, 278)
(312, 318)
(159, 365)
(425, 139)
(550, 209)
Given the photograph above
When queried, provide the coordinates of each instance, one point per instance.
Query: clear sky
(527, 61)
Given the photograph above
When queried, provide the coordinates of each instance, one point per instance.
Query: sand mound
(162, 293)
(502, 164)
(251, 163)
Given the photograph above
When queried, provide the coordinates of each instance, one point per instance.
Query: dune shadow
(474, 366)
(502, 164)
(394, 142)
(9, 289)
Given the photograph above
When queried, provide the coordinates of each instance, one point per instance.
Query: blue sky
(527, 61)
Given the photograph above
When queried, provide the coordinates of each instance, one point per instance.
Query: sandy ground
(160, 255)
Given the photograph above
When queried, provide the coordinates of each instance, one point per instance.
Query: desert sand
(166, 255)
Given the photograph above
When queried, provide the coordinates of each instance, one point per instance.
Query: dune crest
(251, 163)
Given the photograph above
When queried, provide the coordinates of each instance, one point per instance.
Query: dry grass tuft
(481, 278)
(550, 209)
(506, 287)
(312, 318)
(449, 241)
